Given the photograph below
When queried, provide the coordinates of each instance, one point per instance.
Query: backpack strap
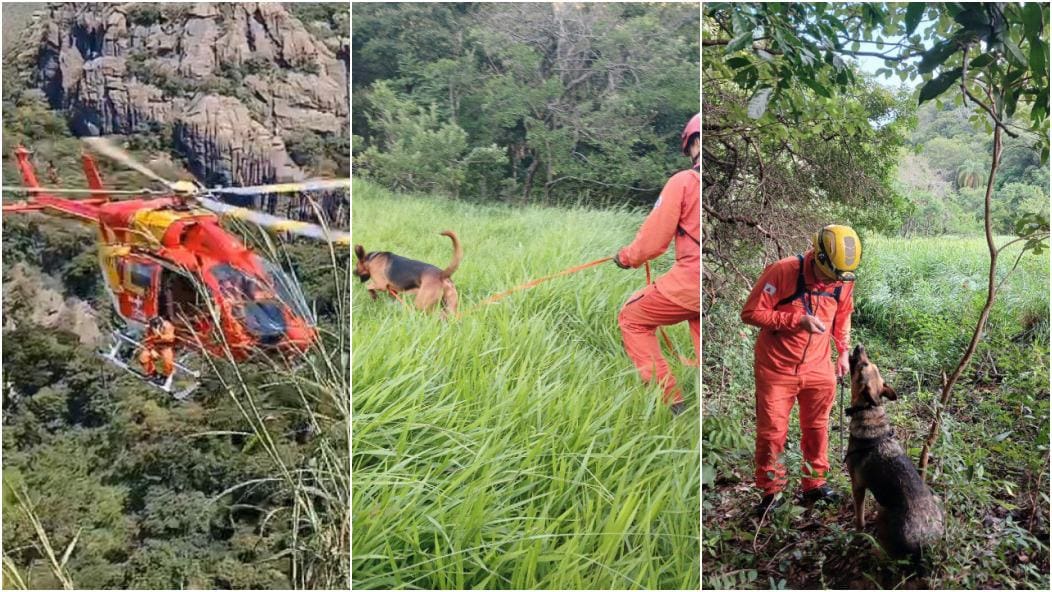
(802, 292)
(683, 232)
(799, 284)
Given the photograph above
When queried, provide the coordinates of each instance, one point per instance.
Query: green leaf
(758, 102)
(982, 61)
(1037, 58)
(1010, 102)
(1032, 20)
(818, 88)
(738, 62)
(873, 13)
(739, 42)
(938, 85)
(1014, 54)
(1039, 111)
(935, 56)
(914, 12)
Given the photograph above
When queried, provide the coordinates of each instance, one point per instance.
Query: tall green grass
(514, 447)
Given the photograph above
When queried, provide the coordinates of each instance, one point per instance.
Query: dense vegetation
(560, 102)
(803, 138)
(244, 486)
(514, 447)
(943, 171)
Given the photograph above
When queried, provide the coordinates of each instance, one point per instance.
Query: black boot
(770, 502)
(677, 408)
(822, 493)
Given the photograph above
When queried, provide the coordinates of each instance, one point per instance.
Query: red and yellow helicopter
(165, 254)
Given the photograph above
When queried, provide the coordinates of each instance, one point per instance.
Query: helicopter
(164, 253)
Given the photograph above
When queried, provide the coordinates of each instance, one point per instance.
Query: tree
(969, 175)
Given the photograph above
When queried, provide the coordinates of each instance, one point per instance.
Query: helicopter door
(140, 279)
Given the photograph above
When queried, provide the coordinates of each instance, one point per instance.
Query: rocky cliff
(230, 86)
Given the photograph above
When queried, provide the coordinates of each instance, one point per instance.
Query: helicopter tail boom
(83, 209)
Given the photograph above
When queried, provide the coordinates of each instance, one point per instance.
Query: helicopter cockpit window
(263, 319)
(140, 275)
(237, 286)
(288, 289)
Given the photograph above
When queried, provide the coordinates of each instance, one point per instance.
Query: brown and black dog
(909, 518)
(387, 272)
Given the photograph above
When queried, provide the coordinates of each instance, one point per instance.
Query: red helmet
(693, 127)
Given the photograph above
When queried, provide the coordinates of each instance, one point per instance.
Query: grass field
(515, 447)
(917, 301)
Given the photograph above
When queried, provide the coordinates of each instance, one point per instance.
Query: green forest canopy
(565, 102)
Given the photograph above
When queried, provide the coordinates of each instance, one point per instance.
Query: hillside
(245, 93)
(246, 484)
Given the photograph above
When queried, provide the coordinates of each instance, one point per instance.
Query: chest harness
(804, 295)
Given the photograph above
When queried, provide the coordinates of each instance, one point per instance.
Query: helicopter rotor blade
(277, 223)
(308, 185)
(118, 154)
(85, 191)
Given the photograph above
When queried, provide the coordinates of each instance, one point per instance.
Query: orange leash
(668, 342)
(530, 284)
(538, 281)
(394, 293)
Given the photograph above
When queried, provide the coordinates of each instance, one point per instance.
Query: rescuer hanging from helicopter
(159, 343)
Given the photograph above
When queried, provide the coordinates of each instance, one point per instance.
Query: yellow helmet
(183, 188)
(838, 251)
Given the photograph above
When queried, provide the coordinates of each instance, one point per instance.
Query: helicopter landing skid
(124, 342)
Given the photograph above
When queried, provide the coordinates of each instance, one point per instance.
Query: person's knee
(772, 432)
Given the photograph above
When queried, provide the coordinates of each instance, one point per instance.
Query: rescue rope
(568, 271)
(533, 283)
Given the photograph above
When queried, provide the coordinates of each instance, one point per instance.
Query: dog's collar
(370, 256)
(856, 408)
(869, 443)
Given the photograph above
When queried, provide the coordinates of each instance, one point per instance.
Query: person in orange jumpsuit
(675, 296)
(802, 305)
(159, 343)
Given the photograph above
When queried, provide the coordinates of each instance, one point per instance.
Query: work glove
(617, 262)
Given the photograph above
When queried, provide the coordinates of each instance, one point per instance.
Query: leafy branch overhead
(790, 57)
(793, 47)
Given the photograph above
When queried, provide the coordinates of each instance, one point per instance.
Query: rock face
(31, 296)
(229, 81)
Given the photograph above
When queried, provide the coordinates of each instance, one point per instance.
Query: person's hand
(811, 324)
(617, 262)
(842, 366)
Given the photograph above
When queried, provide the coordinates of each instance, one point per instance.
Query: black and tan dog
(387, 272)
(909, 517)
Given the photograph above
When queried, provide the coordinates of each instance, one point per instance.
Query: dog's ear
(359, 251)
(889, 393)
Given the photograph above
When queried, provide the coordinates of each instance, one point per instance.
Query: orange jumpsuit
(676, 296)
(793, 364)
(159, 344)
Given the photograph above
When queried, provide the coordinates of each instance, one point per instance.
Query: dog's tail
(458, 254)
